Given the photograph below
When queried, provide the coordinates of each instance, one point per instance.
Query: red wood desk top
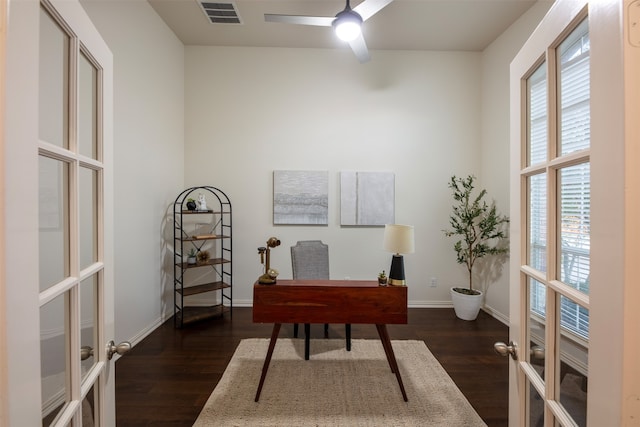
(329, 301)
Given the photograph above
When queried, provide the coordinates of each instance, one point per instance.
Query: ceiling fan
(347, 23)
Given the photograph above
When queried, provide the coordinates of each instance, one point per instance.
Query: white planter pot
(466, 306)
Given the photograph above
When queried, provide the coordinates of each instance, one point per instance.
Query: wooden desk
(330, 301)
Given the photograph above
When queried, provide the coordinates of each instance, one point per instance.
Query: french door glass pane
(574, 362)
(574, 318)
(575, 226)
(537, 116)
(87, 111)
(89, 409)
(574, 91)
(88, 289)
(54, 82)
(537, 325)
(53, 221)
(538, 222)
(88, 217)
(53, 357)
(536, 407)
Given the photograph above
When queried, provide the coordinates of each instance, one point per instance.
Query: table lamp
(398, 239)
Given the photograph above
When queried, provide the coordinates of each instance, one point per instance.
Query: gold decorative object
(270, 274)
(203, 257)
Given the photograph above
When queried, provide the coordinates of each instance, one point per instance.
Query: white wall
(148, 153)
(250, 111)
(494, 152)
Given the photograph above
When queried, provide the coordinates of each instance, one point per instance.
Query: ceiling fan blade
(321, 21)
(368, 8)
(359, 47)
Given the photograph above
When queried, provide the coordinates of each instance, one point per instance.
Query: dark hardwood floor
(166, 379)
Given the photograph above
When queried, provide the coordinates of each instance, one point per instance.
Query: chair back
(310, 260)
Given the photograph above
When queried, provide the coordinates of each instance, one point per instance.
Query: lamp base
(395, 282)
(396, 272)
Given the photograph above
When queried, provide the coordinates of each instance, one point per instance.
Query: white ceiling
(469, 25)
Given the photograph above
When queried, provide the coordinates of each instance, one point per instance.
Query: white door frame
(21, 225)
(614, 391)
(4, 388)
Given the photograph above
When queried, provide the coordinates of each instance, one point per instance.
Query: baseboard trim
(496, 314)
(430, 304)
(145, 332)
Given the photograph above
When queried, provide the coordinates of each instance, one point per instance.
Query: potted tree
(480, 229)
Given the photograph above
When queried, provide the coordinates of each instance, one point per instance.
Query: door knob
(503, 349)
(86, 352)
(121, 348)
(537, 352)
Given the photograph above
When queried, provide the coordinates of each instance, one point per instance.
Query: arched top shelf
(221, 200)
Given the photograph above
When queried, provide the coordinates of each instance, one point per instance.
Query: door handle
(503, 349)
(86, 352)
(537, 352)
(121, 348)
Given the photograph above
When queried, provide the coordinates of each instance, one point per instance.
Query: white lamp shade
(399, 238)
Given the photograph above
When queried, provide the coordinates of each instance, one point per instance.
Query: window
(564, 165)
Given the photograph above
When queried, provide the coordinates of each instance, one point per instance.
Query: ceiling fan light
(347, 24)
(347, 29)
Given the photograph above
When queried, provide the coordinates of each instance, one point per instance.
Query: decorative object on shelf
(481, 231)
(270, 274)
(203, 236)
(202, 202)
(382, 278)
(191, 204)
(399, 240)
(203, 257)
(191, 256)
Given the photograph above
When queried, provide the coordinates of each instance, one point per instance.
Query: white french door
(571, 188)
(59, 281)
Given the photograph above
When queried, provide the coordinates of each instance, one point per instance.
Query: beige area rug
(336, 387)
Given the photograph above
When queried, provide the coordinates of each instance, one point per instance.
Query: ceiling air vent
(220, 13)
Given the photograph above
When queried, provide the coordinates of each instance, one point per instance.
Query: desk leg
(267, 360)
(391, 358)
(307, 340)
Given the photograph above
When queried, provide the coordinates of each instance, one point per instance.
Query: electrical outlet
(434, 282)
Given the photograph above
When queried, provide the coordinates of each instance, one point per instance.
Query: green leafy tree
(477, 224)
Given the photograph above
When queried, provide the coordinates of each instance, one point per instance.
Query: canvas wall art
(367, 198)
(301, 197)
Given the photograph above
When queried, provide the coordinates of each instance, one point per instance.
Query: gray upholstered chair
(310, 260)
